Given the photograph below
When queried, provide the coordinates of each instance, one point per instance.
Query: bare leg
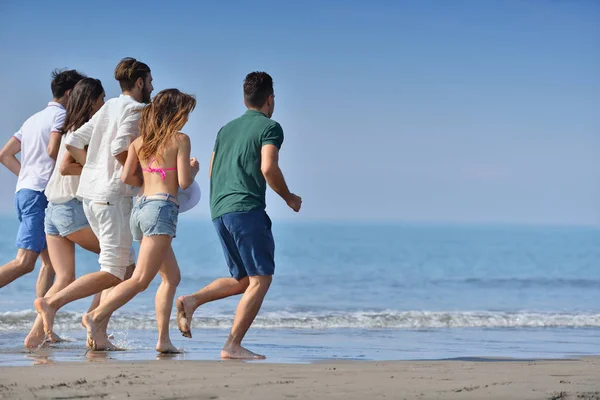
(218, 289)
(85, 286)
(46, 275)
(23, 263)
(95, 301)
(36, 336)
(104, 342)
(169, 272)
(152, 252)
(86, 239)
(44, 282)
(57, 246)
(62, 251)
(103, 327)
(129, 272)
(247, 310)
(50, 305)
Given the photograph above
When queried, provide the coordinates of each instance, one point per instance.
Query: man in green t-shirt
(244, 161)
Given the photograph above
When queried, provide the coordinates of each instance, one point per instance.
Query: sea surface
(358, 292)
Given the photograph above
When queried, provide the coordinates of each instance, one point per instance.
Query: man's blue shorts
(247, 243)
(31, 210)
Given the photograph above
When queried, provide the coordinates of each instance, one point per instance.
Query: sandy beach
(168, 379)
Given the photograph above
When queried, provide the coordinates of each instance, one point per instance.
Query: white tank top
(61, 188)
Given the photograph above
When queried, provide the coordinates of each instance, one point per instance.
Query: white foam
(22, 320)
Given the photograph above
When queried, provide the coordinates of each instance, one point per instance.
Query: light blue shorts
(151, 216)
(30, 205)
(65, 218)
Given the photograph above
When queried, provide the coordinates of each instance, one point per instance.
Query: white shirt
(108, 133)
(61, 189)
(34, 135)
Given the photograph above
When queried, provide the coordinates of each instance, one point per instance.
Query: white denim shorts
(110, 222)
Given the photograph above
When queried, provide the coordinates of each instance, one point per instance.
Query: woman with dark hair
(65, 223)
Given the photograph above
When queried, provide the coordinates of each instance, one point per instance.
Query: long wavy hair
(162, 120)
(81, 103)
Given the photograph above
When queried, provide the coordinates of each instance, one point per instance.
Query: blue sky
(439, 111)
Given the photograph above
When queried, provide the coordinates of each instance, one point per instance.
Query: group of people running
(100, 174)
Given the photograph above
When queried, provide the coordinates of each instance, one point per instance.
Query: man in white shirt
(107, 202)
(38, 142)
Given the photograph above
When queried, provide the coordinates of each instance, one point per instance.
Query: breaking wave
(22, 320)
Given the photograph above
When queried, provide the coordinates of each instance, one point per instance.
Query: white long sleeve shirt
(108, 133)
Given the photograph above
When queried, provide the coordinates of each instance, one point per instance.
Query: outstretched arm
(8, 153)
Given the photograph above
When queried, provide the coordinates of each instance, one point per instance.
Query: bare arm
(122, 157)
(269, 167)
(69, 166)
(78, 154)
(56, 135)
(130, 175)
(54, 144)
(186, 168)
(8, 153)
(212, 159)
(77, 141)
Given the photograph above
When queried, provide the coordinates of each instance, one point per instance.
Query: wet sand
(170, 379)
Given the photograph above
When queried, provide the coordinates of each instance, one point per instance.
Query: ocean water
(359, 292)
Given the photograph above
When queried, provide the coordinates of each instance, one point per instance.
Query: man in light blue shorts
(38, 142)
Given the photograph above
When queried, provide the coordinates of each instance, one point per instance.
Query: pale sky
(462, 111)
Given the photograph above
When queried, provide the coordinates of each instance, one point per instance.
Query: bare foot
(185, 310)
(106, 345)
(33, 341)
(92, 332)
(166, 347)
(109, 337)
(239, 353)
(47, 312)
(105, 334)
(54, 338)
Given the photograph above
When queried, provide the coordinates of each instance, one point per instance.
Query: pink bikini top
(161, 171)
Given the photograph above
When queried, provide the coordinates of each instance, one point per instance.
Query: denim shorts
(31, 209)
(65, 218)
(153, 217)
(247, 243)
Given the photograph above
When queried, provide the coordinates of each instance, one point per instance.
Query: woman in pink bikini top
(154, 215)
(160, 171)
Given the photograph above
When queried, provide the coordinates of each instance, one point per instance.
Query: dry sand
(169, 379)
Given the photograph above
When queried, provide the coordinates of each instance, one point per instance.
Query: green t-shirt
(237, 183)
